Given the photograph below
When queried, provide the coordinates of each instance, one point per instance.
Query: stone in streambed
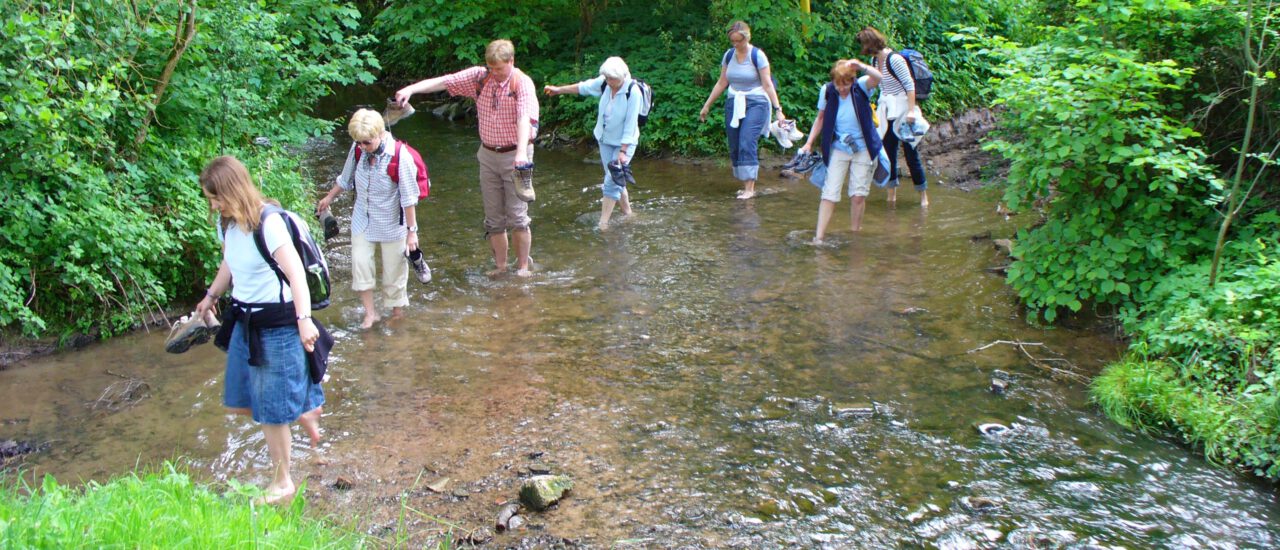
(539, 492)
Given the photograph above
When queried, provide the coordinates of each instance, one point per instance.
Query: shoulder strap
(260, 241)
(888, 62)
(755, 57)
(484, 79)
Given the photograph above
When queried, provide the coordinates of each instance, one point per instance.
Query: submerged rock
(539, 492)
(506, 515)
(999, 386)
(992, 429)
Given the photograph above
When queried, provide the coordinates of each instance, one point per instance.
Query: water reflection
(708, 377)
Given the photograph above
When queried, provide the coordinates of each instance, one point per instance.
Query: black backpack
(313, 262)
(646, 98)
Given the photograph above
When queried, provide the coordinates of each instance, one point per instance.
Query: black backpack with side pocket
(313, 263)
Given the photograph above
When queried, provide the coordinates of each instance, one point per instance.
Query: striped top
(894, 86)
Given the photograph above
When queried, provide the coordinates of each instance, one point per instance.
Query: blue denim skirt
(280, 390)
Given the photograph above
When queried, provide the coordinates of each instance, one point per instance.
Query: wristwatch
(413, 229)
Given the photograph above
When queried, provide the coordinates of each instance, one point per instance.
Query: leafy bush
(104, 219)
(1122, 183)
(676, 45)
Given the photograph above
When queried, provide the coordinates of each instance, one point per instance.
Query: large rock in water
(539, 492)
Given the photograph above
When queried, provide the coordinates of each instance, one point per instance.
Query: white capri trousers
(395, 270)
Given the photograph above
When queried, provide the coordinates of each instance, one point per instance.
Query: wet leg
(825, 209)
(856, 207)
(523, 239)
(606, 210)
(498, 242)
(281, 489)
(310, 421)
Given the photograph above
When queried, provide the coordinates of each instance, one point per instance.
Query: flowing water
(706, 377)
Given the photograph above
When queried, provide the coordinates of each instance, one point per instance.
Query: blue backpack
(920, 73)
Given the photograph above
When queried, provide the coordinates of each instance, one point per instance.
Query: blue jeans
(891, 142)
(744, 141)
(607, 154)
(280, 390)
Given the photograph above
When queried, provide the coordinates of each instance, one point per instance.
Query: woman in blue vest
(617, 126)
(744, 70)
(851, 148)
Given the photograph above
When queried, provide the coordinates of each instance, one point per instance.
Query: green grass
(1150, 396)
(164, 509)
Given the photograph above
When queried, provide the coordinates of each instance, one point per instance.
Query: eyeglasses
(366, 142)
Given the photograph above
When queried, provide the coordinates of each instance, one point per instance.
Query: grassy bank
(163, 509)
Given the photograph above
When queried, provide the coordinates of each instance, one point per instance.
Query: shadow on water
(706, 377)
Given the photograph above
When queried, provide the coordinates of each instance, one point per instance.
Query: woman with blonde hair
(268, 329)
(746, 74)
(384, 215)
(617, 128)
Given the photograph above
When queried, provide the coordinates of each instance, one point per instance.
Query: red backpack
(393, 168)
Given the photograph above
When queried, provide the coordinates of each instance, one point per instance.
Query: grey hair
(615, 67)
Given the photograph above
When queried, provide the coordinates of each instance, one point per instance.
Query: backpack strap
(888, 62)
(727, 53)
(484, 79)
(260, 241)
(755, 58)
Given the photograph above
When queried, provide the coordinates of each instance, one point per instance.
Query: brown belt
(502, 149)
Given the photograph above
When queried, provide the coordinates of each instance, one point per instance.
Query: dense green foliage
(157, 510)
(1114, 129)
(677, 45)
(1122, 124)
(103, 218)
(1214, 372)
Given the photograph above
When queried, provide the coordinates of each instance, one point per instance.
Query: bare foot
(494, 274)
(893, 195)
(816, 242)
(746, 195)
(523, 272)
(397, 312)
(277, 496)
(369, 320)
(924, 200)
(603, 227)
(310, 421)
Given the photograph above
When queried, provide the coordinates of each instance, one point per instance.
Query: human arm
(221, 282)
(873, 75)
(526, 115)
(558, 90)
(287, 257)
(814, 132)
(340, 183)
(766, 82)
(421, 87)
(407, 173)
(716, 90)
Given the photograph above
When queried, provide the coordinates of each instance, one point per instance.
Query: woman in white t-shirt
(268, 326)
(897, 100)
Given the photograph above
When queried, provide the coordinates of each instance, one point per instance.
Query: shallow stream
(706, 377)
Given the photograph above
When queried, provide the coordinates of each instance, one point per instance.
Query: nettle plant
(1090, 143)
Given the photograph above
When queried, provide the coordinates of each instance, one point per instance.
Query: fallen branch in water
(1039, 362)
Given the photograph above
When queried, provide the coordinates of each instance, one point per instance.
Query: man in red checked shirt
(508, 111)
